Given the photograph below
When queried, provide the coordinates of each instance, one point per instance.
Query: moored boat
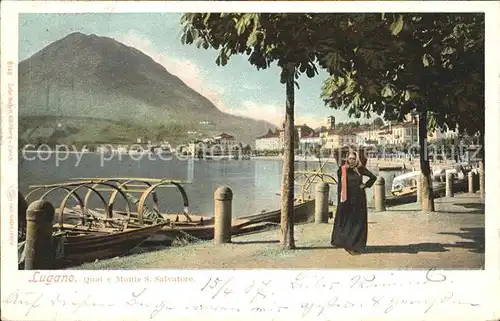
(79, 246)
(201, 227)
(174, 225)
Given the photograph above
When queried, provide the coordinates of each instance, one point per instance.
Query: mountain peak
(99, 77)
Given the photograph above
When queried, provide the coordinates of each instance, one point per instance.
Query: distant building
(439, 133)
(195, 147)
(269, 141)
(367, 137)
(339, 138)
(404, 133)
(330, 122)
(311, 140)
(300, 131)
(226, 141)
(222, 144)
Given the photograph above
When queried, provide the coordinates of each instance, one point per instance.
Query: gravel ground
(400, 238)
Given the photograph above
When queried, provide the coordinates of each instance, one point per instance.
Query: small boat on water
(406, 184)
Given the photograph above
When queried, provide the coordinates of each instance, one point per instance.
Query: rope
(149, 214)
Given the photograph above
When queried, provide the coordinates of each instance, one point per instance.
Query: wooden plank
(129, 190)
(122, 179)
(80, 181)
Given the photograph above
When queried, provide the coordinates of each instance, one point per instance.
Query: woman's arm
(371, 181)
(339, 184)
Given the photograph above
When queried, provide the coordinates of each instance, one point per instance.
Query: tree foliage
(378, 122)
(392, 64)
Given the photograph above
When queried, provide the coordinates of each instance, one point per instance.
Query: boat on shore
(406, 184)
(193, 227)
(80, 246)
(90, 224)
(75, 244)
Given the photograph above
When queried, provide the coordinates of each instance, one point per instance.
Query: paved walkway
(402, 237)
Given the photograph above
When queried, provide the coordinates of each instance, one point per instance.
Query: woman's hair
(357, 163)
(361, 158)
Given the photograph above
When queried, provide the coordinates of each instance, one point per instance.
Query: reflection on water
(256, 184)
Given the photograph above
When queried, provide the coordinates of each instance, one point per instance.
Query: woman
(350, 230)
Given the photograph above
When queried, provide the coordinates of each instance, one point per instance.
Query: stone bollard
(481, 179)
(223, 199)
(470, 181)
(39, 252)
(379, 194)
(419, 188)
(321, 203)
(22, 207)
(449, 184)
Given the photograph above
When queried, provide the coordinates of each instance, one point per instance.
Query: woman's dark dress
(350, 230)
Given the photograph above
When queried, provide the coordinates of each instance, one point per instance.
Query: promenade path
(402, 237)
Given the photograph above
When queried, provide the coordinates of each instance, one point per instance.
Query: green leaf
(397, 26)
(199, 42)
(223, 59)
(311, 72)
(207, 17)
(357, 101)
(427, 60)
(406, 96)
(448, 51)
(252, 39)
(387, 91)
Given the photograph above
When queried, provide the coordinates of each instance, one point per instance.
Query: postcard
(240, 160)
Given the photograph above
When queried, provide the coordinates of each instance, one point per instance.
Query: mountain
(83, 80)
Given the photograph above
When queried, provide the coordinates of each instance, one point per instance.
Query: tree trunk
(427, 193)
(287, 189)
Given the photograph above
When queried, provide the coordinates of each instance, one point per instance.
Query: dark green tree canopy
(386, 64)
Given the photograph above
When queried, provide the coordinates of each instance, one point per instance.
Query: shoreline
(372, 162)
(421, 239)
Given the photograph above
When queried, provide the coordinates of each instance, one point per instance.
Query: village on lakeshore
(394, 138)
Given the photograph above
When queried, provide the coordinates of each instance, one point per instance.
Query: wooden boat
(202, 227)
(438, 189)
(406, 184)
(81, 236)
(75, 245)
(80, 246)
(173, 225)
(303, 212)
(391, 168)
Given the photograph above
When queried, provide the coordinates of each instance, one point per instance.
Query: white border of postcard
(177, 295)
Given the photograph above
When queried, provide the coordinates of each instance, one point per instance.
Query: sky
(237, 88)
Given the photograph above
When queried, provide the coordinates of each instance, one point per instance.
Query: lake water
(255, 183)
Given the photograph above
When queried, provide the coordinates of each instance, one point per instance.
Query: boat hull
(439, 191)
(303, 212)
(91, 246)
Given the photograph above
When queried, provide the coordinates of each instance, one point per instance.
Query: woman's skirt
(350, 229)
